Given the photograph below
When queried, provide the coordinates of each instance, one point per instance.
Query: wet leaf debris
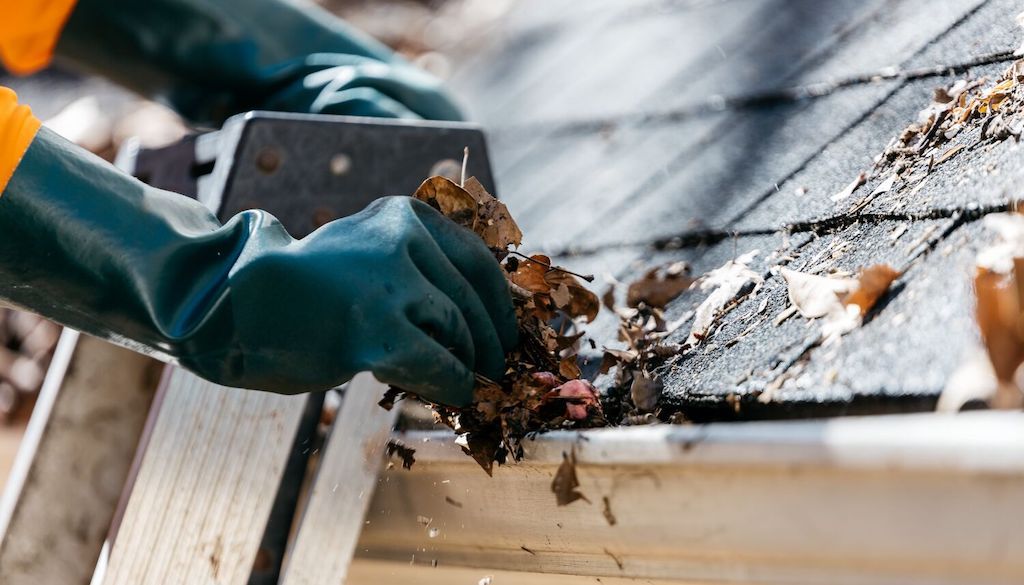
(543, 387)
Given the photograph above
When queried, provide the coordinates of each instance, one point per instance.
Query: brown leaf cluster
(548, 290)
(643, 327)
(541, 389)
(471, 206)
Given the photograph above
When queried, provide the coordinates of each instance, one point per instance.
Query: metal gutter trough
(924, 498)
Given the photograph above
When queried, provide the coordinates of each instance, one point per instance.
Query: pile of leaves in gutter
(542, 388)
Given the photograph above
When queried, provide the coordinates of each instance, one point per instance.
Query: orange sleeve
(28, 32)
(17, 129)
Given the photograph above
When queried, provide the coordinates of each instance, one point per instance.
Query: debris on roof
(833, 155)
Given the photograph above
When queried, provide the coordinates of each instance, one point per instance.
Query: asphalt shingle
(632, 126)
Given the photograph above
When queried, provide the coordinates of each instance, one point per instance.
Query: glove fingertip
(508, 328)
(451, 383)
(459, 392)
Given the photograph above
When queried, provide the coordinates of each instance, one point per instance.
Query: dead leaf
(998, 314)
(561, 296)
(608, 298)
(497, 228)
(566, 485)
(391, 396)
(568, 368)
(949, 154)
(407, 454)
(725, 284)
(659, 286)
(885, 185)
(816, 296)
(646, 391)
(874, 281)
(530, 275)
(841, 302)
(540, 389)
(450, 199)
(581, 301)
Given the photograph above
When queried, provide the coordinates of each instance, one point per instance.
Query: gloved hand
(350, 85)
(211, 59)
(397, 289)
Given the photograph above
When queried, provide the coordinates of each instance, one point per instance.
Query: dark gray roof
(622, 125)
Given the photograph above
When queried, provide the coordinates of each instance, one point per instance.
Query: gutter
(924, 498)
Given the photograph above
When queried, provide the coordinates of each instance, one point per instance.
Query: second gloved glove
(210, 60)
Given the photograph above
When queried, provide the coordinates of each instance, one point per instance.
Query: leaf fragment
(565, 484)
(849, 189)
(874, 281)
(646, 391)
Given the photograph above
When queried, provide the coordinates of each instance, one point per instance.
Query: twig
(586, 277)
(465, 161)
(480, 378)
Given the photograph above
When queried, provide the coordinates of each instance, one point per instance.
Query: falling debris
(999, 290)
(1001, 325)
(406, 454)
(607, 512)
(566, 485)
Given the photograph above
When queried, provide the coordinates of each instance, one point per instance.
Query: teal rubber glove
(397, 289)
(210, 59)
